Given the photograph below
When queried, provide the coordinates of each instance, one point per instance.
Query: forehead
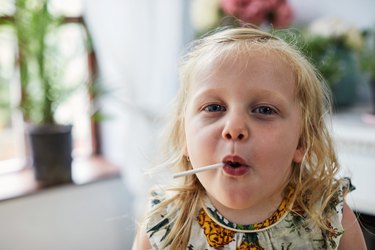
(234, 60)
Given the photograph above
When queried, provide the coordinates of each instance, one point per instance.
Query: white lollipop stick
(197, 170)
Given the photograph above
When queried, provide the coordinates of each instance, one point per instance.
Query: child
(252, 102)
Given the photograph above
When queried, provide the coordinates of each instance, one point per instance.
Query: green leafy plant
(367, 59)
(333, 46)
(334, 50)
(330, 55)
(367, 56)
(4, 103)
(41, 69)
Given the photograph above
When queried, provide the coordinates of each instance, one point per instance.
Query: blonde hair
(312, 180)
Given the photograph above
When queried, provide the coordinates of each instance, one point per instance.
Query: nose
(236, 128)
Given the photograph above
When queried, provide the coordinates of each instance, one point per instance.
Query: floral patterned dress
(282, 230)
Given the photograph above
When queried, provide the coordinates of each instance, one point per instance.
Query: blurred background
(108, 70)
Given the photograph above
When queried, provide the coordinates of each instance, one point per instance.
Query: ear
(185, 151)
(298, 155)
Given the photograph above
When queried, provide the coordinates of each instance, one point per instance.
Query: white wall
(93, 216)
(360, 12)
(138, 45)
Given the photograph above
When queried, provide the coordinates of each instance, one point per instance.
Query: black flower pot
(344, 92)
(51, 153)
(344, 89)
(372, 89)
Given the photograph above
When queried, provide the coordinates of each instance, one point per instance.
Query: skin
(352, 237)
(141, 241)
(245, 108)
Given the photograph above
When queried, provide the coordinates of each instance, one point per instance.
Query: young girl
(252, 102)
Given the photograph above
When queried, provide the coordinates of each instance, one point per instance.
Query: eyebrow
(264, 93)
(207, 90)
(204, 92)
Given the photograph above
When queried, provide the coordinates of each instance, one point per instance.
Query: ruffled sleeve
(157, 224)
(336, 210)
(345, 187)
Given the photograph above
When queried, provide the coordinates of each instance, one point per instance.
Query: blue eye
(264, 110)
(214, 108)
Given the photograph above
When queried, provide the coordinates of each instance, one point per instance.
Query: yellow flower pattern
(282, 230)
(249, 246)
(216, 236)
(276, 216)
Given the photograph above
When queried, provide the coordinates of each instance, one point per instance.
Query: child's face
(244, 111)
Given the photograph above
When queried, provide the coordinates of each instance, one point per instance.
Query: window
(74, 50)
(11, 133)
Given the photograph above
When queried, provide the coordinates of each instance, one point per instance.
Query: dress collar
(271, 221)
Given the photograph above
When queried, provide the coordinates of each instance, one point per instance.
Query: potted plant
(367, 59)
(333, 47)
(41, 72)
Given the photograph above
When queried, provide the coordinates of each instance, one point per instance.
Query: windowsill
(20, 183)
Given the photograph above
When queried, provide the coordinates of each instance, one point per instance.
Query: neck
(250, 215)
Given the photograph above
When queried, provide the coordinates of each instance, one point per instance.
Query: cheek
(201, 140)
(274, 161)
(279, 148)
(197, 139)
(191, 138)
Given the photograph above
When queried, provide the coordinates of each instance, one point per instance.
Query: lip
(241, 166)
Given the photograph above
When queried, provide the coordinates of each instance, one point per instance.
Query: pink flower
(283, 16)
(276, 12)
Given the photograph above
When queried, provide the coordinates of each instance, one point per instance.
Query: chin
(236, 202)
(237, 206)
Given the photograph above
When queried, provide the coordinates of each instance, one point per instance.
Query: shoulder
(345, 186)
(336, 204)
(158, 194)
(351, 236)
(159, 219)
(335, 209)
(141, 241)
(331, 226)
(156, 222)
(159, 208)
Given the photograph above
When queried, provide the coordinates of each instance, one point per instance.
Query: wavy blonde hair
(312, 180)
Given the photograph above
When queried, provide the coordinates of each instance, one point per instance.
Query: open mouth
(233, 164)
(234, 161)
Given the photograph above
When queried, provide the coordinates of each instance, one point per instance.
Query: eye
(214, 108)
(264, 110)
